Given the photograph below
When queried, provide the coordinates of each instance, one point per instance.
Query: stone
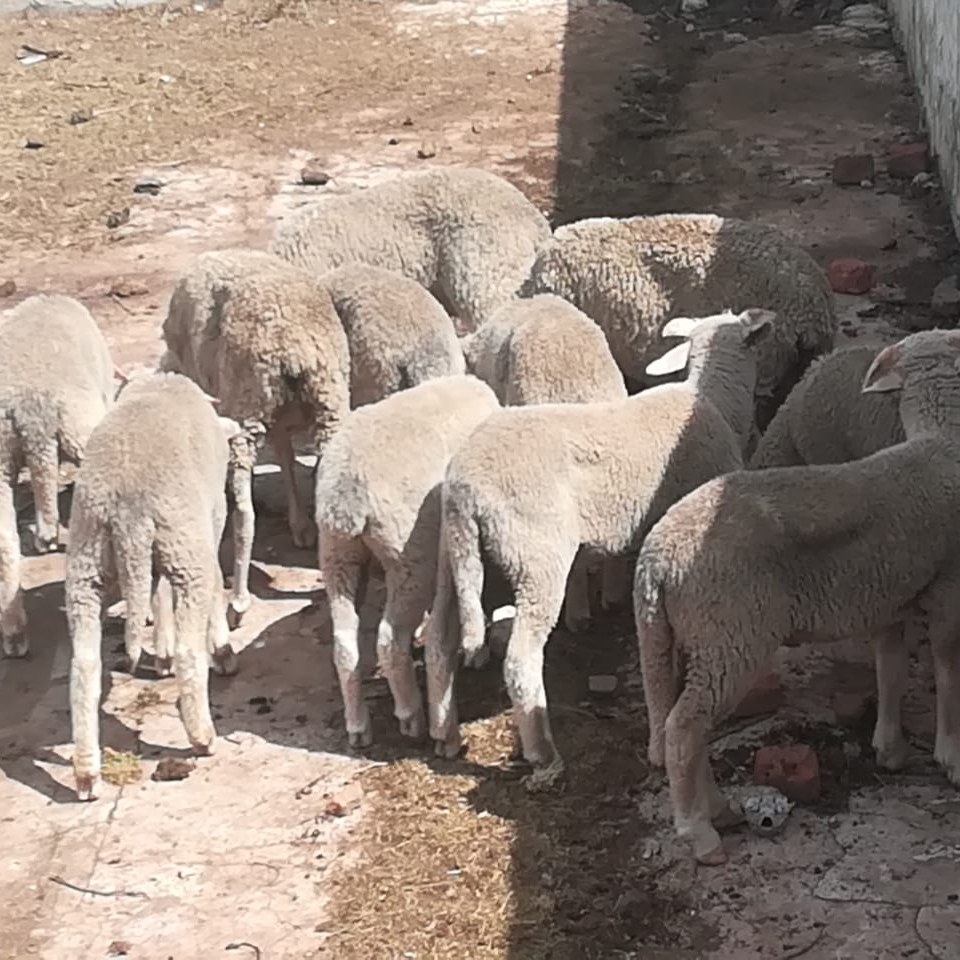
(8, 288)
(693, 6)
(127, 287)
(602, 683)
(945, 298)
(906, 160)
(427, 150)
(793, 769)
(849, 275)
(173, 768)
(765, 696)
(849, 706)
(346, 799)
(852, 169)
(312, 174)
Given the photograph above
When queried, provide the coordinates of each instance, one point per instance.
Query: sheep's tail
(461, 546)
(132, 536)
(658, 653)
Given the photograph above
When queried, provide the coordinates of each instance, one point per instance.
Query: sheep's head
(750, 327)
(925, 369)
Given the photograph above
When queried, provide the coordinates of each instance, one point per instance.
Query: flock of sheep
(514, 449)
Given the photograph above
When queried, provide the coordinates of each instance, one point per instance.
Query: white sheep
(632, 275)
(378, 500)
(398, 334)
(827, 418)
(149, 500)
(534, 484)
(263, 338)
(544, 350)
(467, 235)
(56, 383)
(761, 557)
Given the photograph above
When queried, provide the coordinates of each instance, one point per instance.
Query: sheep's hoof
(127, 664)
(546, 778)
(223, 662)
(946, 754)
(714, 857)
(203, 747)
(16, 646)
(88, 786)
(476, 658)
(892, 756)
(45, 543)
(450, 748)
(235, 611)
(414, 726)
(360, 739)
(163, 666)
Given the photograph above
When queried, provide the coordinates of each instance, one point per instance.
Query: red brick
(765, 696)
(850, 170)
(906, 160)
(849, 275)
(793, 769)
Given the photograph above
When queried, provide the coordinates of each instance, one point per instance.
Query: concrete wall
(929, 31)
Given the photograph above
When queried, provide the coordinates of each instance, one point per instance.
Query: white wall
(929, 31)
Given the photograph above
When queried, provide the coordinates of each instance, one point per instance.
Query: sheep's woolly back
(260, 335)
(467, 235)
(398, 333)
(50, 344)
(549, 352)
(828, 419)
(634, 274)
(160, 448)
(388, 456)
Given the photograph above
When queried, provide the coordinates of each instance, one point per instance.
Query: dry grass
(458, 860)
(121, 767)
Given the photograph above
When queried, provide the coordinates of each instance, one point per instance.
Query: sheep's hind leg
(893, 667)
(538, 606)
(301, 527)
(723, 813)
(685, 753)
(441, 640)
(13, 617)
(946, 666)
(243, 521)
(223, 660)
(576, 605)
(164, 631)
(41, 457)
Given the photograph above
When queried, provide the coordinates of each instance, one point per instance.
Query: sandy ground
(284, 844)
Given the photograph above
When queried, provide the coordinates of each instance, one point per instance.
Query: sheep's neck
(727, 378)
(931, 406)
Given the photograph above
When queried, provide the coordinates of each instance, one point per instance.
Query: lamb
(398, 334)
(265, 339)
(149, 500)
(596, 474)
(468, 236)
(634, 274)
(828, 419)
(378, 499)
(56, 383)
(544, 350)
(750, 560)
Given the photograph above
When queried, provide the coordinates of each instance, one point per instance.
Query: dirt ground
(285, 844)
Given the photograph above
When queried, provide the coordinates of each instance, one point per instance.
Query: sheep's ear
(755, 324)
(679, 327)
(884, 374)
(673, 361)
(209, 399)
(118, 374)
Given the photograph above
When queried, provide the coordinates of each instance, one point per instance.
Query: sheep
(544, 350)
(149, 499)
(468, 236)
(828, 419)
(398, 334)
(56, 383)
(632, 275)
(594, 474)
(378, 498)
(750, 560)
(265, 339)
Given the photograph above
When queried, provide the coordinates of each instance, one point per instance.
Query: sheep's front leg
(223, 660)
(946, 668)
(538, 602)
(617, 577)
(407, 596)
(576, 607)
(893, 667)
(41, 458)
(164, 631)
(244, 523)
(301, 526)
(13, 616)
(193, 587)
(685, 754)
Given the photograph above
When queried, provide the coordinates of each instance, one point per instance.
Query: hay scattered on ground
(120, 767)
